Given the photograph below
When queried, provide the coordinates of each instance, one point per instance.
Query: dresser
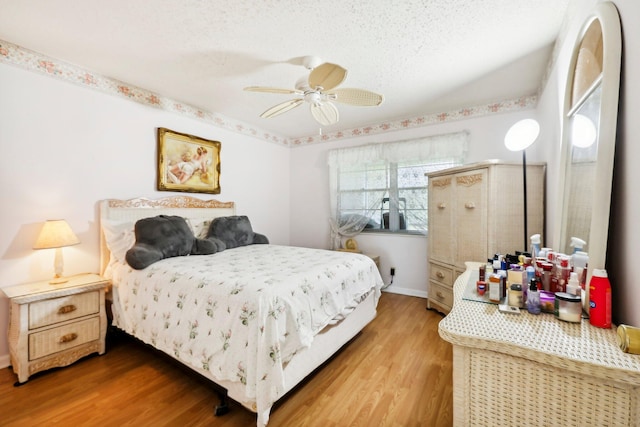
(536, 370)
(476, 211)
(55, 325)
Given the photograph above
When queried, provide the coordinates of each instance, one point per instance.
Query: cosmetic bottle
(600, 299)
(573, 286)
(495, 284)
(562, 273)
(577, 244)
(515, 295)
(579, 261)
(535, 246)
(533, 297)
(547, 272)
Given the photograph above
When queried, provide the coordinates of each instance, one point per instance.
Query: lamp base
(58, 280)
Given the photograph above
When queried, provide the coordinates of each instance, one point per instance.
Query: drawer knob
(440, 295)
(440, 275)
(67, 309)
(68, 338)
(470, 205)
(442, 205)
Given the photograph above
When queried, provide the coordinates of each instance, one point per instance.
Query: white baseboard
(4, 361)
(406, 291)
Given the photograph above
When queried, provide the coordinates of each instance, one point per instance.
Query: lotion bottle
(600, 299)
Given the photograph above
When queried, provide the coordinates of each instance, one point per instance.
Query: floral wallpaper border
(33, 61)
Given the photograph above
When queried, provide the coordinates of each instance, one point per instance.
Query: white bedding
(241, 314)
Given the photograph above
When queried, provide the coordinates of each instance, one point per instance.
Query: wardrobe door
(441, 211)
(471, 216)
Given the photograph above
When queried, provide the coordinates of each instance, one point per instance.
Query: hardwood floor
(397, 372)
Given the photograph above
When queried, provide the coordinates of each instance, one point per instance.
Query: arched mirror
(589, 135)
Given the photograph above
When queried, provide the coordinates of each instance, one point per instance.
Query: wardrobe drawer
(440, 294)
(63, 337)
(49, 312)
(441, 274)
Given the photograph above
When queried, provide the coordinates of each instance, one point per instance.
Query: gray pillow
(165, 236)
(234, 231)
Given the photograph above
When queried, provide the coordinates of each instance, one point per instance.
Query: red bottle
(600, 299)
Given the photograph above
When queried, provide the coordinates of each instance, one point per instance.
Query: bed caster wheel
(221, 410)
(223, 407)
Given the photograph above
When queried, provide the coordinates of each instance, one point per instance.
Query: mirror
(588, 136)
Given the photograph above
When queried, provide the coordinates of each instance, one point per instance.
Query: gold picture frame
(188, 163)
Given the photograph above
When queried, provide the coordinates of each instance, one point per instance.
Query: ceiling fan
(319, 91)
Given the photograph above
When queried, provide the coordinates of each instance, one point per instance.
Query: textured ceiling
(424, 56)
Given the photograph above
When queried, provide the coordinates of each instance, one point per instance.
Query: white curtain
(427, 150)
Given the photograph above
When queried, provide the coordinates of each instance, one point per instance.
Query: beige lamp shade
(56, 233)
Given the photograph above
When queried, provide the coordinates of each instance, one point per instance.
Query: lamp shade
(55, 234)
(583, 131)
(522, 134)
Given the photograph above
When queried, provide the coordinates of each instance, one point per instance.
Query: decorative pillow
(234, 231)
(119, 238)
(165, 236)
(199, 227)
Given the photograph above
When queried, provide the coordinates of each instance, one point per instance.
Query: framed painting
(187, 163)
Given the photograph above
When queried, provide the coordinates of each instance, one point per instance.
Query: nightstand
(55, 325)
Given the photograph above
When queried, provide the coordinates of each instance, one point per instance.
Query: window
(382, 187)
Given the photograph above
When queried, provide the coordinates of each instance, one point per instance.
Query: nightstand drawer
(58, 339)
(49, 312)
(441, 274)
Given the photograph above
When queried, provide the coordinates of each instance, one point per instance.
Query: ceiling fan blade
(272, 90)
(327, 76)
(359, 97)
(283, 107)
(325, 113)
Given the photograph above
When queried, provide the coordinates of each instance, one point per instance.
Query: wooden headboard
(134, 209)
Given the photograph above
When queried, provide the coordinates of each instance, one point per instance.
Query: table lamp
(56, 234)
(520, 136)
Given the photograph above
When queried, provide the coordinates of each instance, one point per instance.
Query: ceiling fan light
(311, 62)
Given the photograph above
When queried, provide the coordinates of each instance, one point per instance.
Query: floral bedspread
(242, 313)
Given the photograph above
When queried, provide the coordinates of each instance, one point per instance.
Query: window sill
(395, 233)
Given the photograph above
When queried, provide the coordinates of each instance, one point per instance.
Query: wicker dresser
(535, 370)
(476, 211)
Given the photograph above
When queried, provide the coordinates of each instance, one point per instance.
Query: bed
(255, 320)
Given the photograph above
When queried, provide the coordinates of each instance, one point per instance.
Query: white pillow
(200, 227)
(120, 237)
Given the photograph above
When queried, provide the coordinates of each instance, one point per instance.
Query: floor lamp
(520, 136)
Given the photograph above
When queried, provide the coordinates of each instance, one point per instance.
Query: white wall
(408, 254)
(63, 148)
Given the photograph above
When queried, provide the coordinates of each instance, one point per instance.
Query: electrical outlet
(393, 271)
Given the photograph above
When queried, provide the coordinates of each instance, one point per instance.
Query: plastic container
(547, 301)
(568, 307)
(600, 299)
